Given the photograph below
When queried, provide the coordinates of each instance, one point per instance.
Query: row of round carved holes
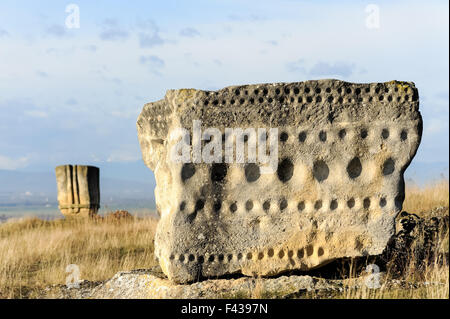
(300, 253)
(323, 135)
(363, 133)
(283, 204)
(285, 170)
(309, 99)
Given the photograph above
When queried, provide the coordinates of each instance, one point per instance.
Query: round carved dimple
(301, 206)
(252, 172)
(284, 137)
(187, 171)
(270, 252)
(388, 166)
(211, 258)
(351, 203)
(403, 135)
(309, 250)
(354, 168)
(199, 204)
(266, 205)
(300, 253)
(385, 133)
(260, 255)
(249, 205)
(283, 204)
(201, 259)
(181, 258)
(191, 257)
(320, 252)
(364, 133)
(302, 137)
(233, 207)
(366, 202)
(342, 133)
(382, 202)
(221, 257)
(217, 206)
(285, 170)
(182, 205)
(318, 205)
(249, 256)
(334, 204)
(218, 172)
(281, 254)
(323, 136)
(320, 170)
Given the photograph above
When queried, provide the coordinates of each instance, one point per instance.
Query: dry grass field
(35, 253)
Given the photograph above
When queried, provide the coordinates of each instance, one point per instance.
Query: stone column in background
(78, 190)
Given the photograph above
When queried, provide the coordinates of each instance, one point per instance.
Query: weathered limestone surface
(339, 184)
(78, 190)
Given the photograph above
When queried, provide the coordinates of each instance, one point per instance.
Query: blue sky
(73, 95)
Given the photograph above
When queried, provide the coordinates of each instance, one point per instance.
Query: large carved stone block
(78, 190)
(335, 191)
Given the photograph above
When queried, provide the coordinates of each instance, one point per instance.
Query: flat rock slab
(342, 149)
(149, 285)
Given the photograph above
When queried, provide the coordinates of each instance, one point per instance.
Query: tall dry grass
(35, 253)
(421, 200)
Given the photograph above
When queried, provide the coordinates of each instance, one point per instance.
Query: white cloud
(13, 163)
